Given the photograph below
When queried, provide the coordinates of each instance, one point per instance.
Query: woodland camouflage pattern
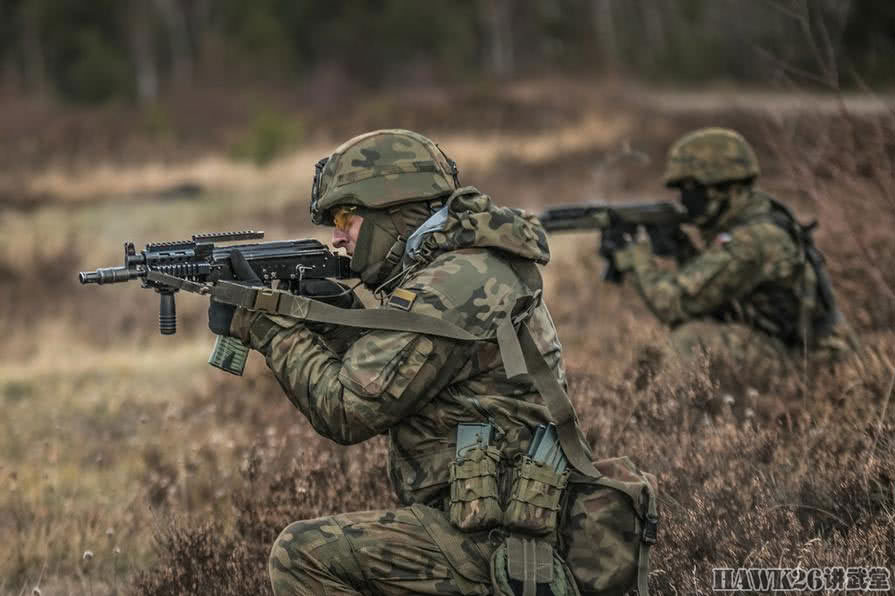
(381, 169)
(742, 294)
(417, 389)
(602, 535)
(711, 156)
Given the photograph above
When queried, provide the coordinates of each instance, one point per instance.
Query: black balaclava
(381, 240)
(705, 204)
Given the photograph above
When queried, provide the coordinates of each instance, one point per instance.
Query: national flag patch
(402, 299)
(722, 238)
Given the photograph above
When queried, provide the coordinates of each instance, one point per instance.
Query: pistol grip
(229, 355)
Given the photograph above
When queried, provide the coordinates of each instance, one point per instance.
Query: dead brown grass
(177, 478)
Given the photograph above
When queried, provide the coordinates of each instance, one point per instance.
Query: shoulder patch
(402, 299)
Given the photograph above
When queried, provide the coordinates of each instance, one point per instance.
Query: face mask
(705, 205)
(376, 237)
(695, 200)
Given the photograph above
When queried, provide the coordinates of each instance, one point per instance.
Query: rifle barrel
(108, 275)
(596, 216)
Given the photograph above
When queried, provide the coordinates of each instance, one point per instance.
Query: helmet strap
(455, 173)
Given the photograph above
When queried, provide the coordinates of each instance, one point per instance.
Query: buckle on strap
(267, 300)
(530, 303)
(650, 529)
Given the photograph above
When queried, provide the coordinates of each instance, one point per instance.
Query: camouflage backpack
(820, 303)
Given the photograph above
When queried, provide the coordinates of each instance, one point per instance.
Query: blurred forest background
(140, 50)
(127, 465)
(182, 76)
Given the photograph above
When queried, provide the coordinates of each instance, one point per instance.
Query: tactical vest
(797, 317)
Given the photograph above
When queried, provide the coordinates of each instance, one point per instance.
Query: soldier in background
(758, 293)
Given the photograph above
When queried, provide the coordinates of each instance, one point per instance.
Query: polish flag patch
(722, 239)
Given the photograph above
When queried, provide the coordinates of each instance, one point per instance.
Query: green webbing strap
(530, 562)
(519, 357)
(557, 403)
(510, 350)
(306, 309)
(561, 410)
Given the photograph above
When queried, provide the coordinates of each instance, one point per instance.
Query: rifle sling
(306, 309)
(518, 350)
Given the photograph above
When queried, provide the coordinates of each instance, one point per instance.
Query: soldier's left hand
(635, 252)
(220, 316)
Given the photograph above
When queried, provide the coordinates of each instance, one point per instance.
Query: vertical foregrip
(167, 313)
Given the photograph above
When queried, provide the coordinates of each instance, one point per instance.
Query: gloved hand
(330, 292)
(669, 241)
(612, 240)
(617, 236)
(220, 316)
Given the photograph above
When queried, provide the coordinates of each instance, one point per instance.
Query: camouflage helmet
(380, 169)
(711, 156)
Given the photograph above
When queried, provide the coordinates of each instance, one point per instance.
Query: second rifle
(662, 221)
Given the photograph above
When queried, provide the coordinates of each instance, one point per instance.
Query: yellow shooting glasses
(342, 217)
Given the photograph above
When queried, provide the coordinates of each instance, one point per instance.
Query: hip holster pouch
(525, 566)
(474, 495)
(535, 497)
(608, 526)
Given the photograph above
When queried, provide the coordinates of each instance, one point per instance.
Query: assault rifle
(619, 221)
(167, 267)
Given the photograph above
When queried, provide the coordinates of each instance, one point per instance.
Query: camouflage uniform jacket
(752, 271)
(414, 387)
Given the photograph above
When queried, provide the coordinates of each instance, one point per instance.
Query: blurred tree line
(95, 50)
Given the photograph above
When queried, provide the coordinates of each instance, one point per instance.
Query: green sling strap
(560, 407)
(518, 350)
(306, 309)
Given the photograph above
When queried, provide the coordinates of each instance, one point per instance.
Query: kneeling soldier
(758, 293)
(460, 414)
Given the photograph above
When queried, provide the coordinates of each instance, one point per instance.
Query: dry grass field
(127, 465)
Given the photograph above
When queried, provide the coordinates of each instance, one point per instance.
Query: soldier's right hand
(330, 292)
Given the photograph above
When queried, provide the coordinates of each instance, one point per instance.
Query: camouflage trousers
(743, 355)
(734, 347)
(415, 550)
(411, 550)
